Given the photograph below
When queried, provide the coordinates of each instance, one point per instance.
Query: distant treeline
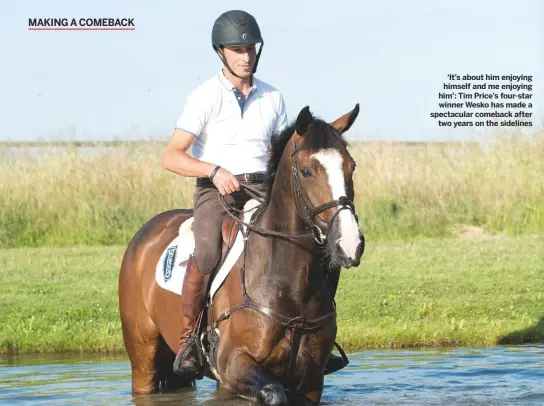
(119, 143)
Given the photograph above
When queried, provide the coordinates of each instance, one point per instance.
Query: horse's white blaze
(331, 160)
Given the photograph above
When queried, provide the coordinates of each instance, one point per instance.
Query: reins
(260, 231)
(307, 215)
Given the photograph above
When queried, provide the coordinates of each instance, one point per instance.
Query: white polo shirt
(228, 132)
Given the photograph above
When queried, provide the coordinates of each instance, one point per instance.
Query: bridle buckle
(319, 237)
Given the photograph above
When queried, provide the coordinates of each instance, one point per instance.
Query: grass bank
(78, 194)
(429, 292)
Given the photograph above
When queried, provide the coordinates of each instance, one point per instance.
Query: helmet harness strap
(224, 60)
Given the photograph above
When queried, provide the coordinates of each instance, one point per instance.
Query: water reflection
(503, 375)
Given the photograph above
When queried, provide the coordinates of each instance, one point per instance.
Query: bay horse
(271, 326)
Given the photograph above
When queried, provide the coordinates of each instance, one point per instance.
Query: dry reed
(100, 195)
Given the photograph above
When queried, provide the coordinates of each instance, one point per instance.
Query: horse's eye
(306, 172)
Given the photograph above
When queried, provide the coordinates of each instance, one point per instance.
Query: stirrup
(178, 369)
(193, 340)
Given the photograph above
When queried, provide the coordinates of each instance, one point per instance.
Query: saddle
(229, 230)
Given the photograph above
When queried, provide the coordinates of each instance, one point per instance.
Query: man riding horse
(229, 121)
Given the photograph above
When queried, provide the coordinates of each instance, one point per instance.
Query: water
(489, 376)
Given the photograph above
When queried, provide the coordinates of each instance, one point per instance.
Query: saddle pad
(170, 270)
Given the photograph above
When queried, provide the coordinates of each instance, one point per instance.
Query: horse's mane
(320, 135)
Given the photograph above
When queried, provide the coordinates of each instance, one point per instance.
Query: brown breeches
(208, 218)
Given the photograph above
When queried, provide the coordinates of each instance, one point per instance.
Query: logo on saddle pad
(169, 262)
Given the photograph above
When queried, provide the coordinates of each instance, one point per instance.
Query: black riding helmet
(236, 28)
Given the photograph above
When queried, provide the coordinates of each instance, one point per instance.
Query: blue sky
(390, 56)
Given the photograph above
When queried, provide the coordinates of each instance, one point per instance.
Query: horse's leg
(141, 342)
(151, 358)
(164, 359)
(248, 379)
(140, 334)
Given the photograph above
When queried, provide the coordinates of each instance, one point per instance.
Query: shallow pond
(464, 376)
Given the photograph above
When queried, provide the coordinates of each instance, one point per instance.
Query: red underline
(81, 29)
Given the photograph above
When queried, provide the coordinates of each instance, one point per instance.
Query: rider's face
(241, 59)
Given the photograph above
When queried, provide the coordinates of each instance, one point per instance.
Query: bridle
(307, 213)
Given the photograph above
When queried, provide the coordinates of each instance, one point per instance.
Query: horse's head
(322, 178)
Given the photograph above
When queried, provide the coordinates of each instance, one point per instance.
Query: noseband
(308, 214)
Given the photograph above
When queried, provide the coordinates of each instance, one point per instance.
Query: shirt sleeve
(194, 116)
(281, 119)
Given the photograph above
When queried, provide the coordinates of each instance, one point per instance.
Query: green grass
(59, 299)
(426, 292)
(70, 194)
(445, 292)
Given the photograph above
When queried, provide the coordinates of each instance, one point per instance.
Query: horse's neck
(285, 275)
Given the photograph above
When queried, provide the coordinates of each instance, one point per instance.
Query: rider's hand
(225, 182)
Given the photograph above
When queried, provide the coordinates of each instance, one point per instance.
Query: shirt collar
(229, 86)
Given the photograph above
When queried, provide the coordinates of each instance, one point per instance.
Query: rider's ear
(304, 120)
(344, 123)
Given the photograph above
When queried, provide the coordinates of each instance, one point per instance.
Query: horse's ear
(344, 123)
(304, 120)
